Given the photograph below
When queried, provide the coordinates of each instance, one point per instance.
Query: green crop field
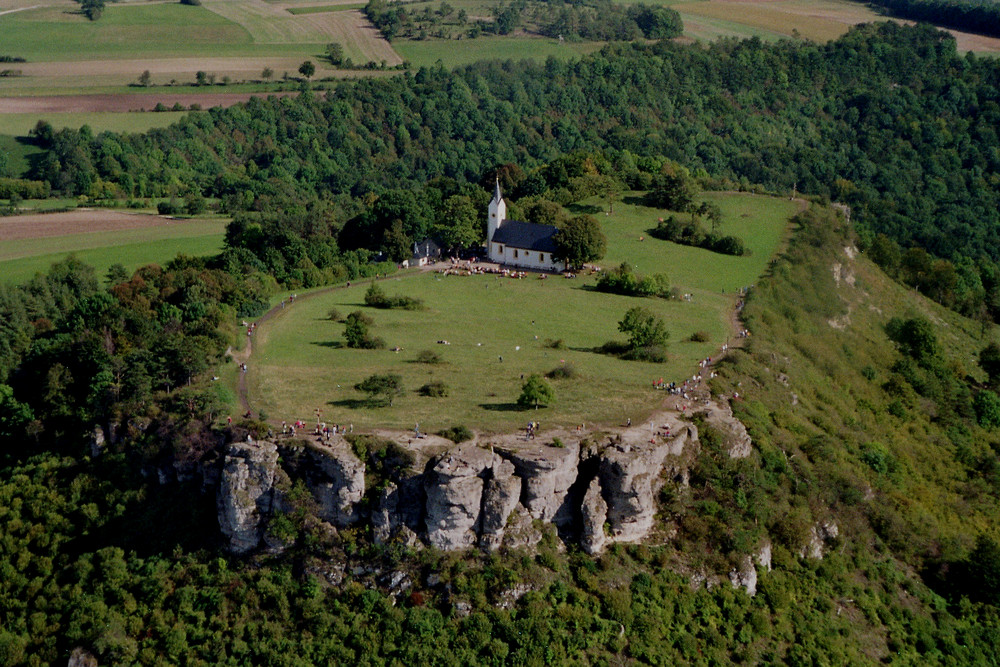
(462, 52)
(53, 33)
(20, 260)
(299, 364)
(19, 124)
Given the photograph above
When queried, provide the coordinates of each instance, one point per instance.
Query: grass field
(298, 364)
(462, 52)
(20, 260)
(18, 124)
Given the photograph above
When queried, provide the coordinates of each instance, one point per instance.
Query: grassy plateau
(300, 365)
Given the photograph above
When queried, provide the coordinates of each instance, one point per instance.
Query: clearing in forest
(500, 329)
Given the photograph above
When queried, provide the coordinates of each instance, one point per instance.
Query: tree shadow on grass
(332, 344)
(635, 200)
(581, 209)
(353, 403)
(502, 407)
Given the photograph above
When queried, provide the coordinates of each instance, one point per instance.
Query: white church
(521, 244)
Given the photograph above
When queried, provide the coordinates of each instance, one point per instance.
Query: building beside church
(521, 244)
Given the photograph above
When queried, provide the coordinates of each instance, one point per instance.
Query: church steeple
(497, 213)
(497, 195)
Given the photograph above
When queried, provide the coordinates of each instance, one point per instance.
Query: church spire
(497, 196)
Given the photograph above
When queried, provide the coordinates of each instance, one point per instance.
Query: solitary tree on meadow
(536, 391)
(307, 69)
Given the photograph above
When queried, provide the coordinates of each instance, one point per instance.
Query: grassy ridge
(299, 363)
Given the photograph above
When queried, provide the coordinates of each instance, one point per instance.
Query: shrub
(562, 372)
(456, 434)
(333, 315)
(376, 298)
(434, 390)
(699, 337)
(428, 357)
(171, 207)
(558, 344)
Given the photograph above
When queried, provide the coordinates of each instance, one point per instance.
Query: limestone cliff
(245, 493)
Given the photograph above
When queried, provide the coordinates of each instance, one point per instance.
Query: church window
(541, 256)
(515, 254)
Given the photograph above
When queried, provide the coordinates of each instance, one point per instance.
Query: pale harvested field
(819, 20)
(272, 24)
(47, 225)
(123, 102)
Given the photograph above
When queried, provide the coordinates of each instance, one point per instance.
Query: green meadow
(19, 124)
(299, 364)
(54, 33)
(21, 260)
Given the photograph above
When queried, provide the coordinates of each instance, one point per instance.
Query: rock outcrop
(454, 497)
(546, 473)
(338, 482)
(468, 495)
(630, 480)
(501, 493)
(720, 417)
(245, 493)
(745, 576)
(820, 536)
(595, 513)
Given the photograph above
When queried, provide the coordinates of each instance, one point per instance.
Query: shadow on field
(352, 403)
(581, 209)
(635, 201)
(332, 344)
(502, 407)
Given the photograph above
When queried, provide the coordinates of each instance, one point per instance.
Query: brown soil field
(77, 222)
(123, 102)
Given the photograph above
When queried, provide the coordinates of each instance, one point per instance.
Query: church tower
(498, 213)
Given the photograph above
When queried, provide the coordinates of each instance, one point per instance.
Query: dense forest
(888, 119)
(893, 435)
(978, 16)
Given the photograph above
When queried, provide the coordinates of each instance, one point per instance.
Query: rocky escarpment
(246, 493)
(470, 495)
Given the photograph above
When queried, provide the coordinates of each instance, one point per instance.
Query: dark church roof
(526, 236)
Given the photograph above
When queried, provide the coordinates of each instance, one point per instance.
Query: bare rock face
(595, 513)
(745, 576)
(521, 532)
(684, 441)
(96, 441)
(720, 416)
(454, 497)
(763, 556)
(81, 657)
(339, 483)
(547, 474)
(820, 535)
(245, 493)
(630, 479)
(385, 517)
(500, 495)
